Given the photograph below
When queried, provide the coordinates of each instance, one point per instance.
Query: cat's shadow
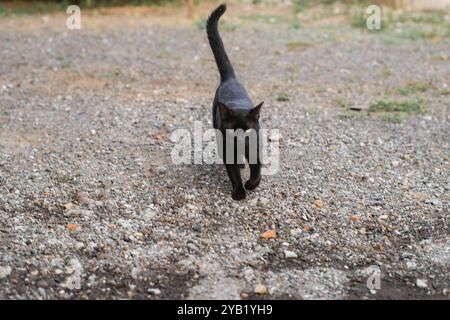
(202, 176)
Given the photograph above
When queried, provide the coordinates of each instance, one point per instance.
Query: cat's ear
(223, 109)
(254, 113)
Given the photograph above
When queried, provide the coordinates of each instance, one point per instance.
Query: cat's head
(236, 118)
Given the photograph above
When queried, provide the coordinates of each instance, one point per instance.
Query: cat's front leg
(255, 176)
(234, 173)
(255, 166)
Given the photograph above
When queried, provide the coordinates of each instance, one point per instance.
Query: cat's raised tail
(223, 62)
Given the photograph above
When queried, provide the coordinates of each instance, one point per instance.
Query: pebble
(5, 271)
(149, 214)
(260, 289)
(290, 254)
(422, 283)
(154, 291)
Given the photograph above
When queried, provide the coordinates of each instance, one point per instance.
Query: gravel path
(91, 206)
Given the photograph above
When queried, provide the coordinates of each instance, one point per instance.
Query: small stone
(5, 271)
(149, 214)
(290, 254)
(433, 201)
(68, 206)
(79, 245)
(422, 283)
(260, 289)
(42, 284)
(83, 199)
(244, 296)
(154, 291)
(263, 201)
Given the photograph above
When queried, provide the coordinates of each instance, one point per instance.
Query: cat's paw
(252, 184)
(238, 194)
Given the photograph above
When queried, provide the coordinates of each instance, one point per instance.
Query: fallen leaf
(306, 228)
(269, 234)
(72, 226)
(318, 204)
(355, 218)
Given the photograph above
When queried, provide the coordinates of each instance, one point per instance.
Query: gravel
(91, 205)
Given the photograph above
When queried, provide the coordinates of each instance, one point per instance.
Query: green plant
(283, 96)
(351, 114)
(200, 23)
(414, 87)
(392, 117)
(294, 45)
(410, 107)
(63, 178)
(301, 5)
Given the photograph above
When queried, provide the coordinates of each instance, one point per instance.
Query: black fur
(232, 109)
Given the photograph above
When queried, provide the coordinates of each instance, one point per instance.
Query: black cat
(233, 109)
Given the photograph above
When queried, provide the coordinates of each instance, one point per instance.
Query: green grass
(393, 117)
(282, 97)
(320, 89)
(301, 5)
(42, 7)
(389, 111)
(429, 17)
(386, 72)
(409, 107)
(351, 114)
(63, 179)
(343, 103)
(200, 23)
(418, 33)
(265, 18)
(295, 45)
(295, 25)
(444, 92)
(311, 111)
(414, 87)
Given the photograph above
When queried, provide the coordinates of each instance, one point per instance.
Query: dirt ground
(91, 205)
